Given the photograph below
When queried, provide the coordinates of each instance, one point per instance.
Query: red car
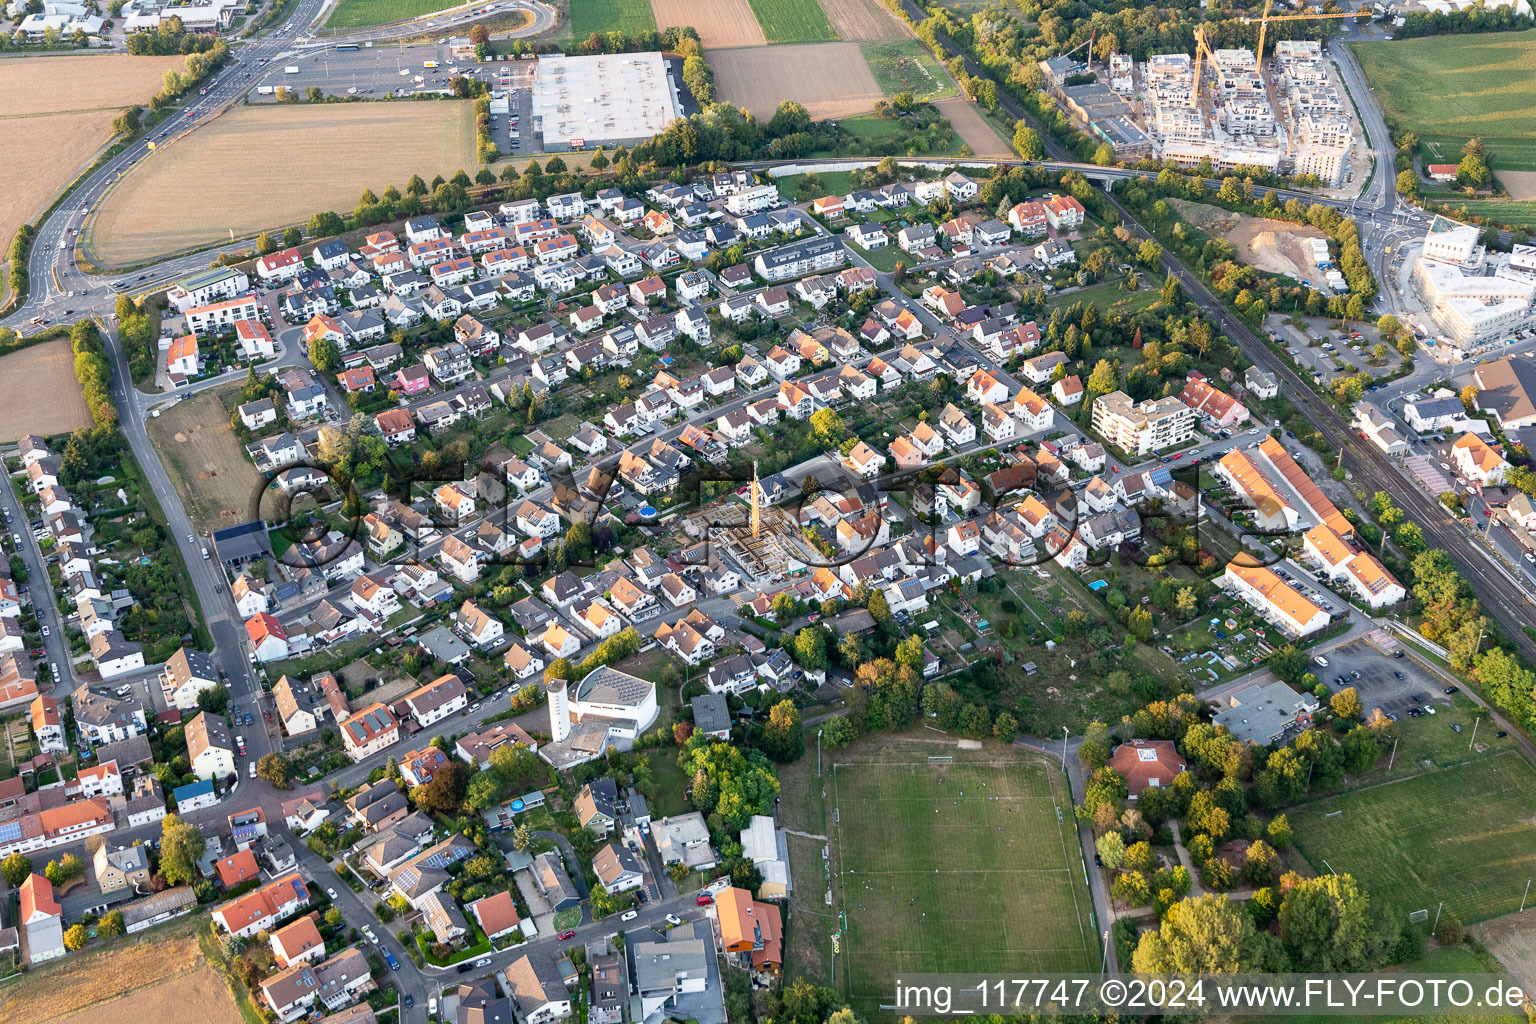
(566, 935)
(1178, 455)
(704, 901)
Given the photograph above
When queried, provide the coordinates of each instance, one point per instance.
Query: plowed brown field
(719, 22)
(828, 79)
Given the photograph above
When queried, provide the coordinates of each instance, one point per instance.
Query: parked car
(568, 934)
(673, 919)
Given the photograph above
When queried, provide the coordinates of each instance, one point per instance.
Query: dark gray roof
(711, 713)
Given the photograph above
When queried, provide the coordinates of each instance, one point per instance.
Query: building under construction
(766, 544)
(1220, 105)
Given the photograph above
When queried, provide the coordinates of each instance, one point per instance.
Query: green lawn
(872, 136)
(365, 13)
(627, 16)
(1456, 86)
(985, 851)
(1105, 294)
(1441, 961)
(907, 66)
(1514, 154)
(1464, 835)
(831, 183)
(881, 259)
(793, 21)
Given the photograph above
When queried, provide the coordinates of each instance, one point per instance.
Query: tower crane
(1307, 14)
(1201, 47)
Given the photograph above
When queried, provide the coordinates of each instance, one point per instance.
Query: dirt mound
(1276, 246)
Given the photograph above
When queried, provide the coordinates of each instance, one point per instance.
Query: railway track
(1499, 599)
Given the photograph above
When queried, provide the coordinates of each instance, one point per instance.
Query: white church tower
(559, 711)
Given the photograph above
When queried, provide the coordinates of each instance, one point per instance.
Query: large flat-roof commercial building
(602, 100)
(1265, 714)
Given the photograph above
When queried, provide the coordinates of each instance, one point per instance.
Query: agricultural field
(793, 21)
(109, 981)
(720, 23)
(58, 113)
(1515, 214)
(51, 403)
(862, 20)
(968, 866)
(215, 479)
(52, 85)
(907, 66)
(1508, 154)
(627, 16)
(1273, 245)
(250, 169)
(366, 13)
(1512, 938)
(1457, 86)
(1465, 835)
(974, 130)
(830, 80)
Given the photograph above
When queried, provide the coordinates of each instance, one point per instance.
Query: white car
(630, 916)
(331, 893)
(673, 919)
(1320, 660)
(45, 631)
(368, 934)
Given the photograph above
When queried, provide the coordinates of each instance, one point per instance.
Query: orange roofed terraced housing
(1316, 502)
(1276, 600)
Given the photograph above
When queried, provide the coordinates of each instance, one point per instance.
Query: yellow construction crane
(1306, 15)
(1201, 47)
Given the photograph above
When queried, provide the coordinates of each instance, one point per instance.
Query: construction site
(1232, 107)
(768, 546)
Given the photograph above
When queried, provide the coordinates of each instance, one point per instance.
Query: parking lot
(378, 71)
(1378, 683)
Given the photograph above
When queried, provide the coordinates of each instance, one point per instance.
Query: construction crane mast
(1201, 47)
(1306, 15)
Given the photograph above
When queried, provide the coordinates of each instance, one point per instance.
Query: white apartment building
(1144, 428)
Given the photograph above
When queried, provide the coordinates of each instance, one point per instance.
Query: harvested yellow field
(43, 153)
(50, 85)
(718, 22)
(51, 402)
(57, 113)
(864, 21)
(829, 79)
(258, 167)
(102, 975)
(197, 997)
(974, 130)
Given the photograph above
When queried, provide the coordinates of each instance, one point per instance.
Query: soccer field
(970, 866)
(1465, 835)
